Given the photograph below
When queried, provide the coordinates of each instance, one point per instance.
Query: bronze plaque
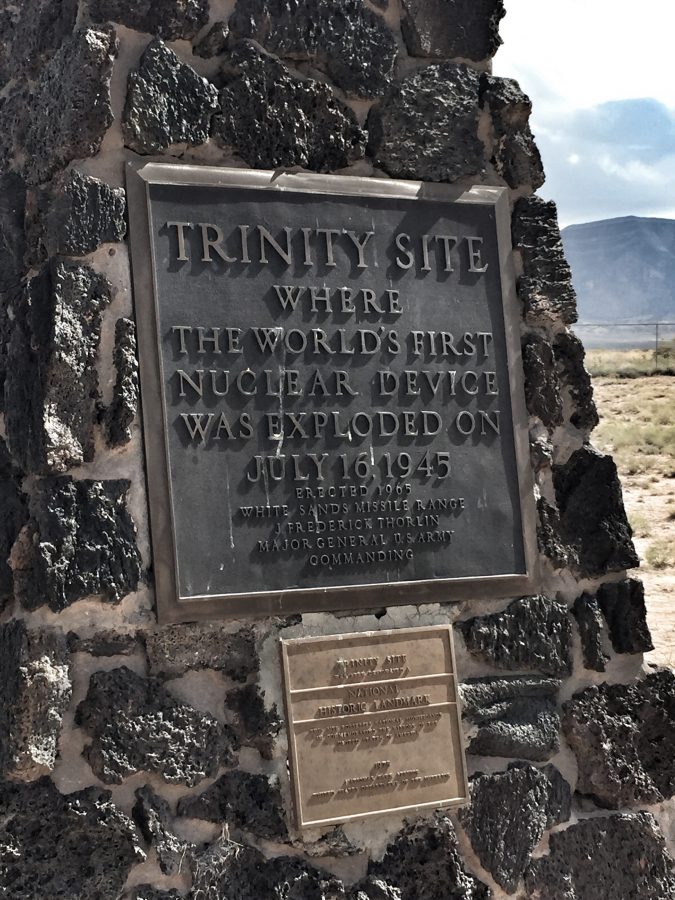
(331, 386)
(373, 724)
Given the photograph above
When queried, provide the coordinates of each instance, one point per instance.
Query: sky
(601, 79)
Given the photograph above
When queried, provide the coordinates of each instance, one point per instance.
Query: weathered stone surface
(83, 543)
(624, 740)
(542, 388)
(70, 111)
(51, 383)
(613, 856)
(273, 118)
(587, 614)
(424, 863)
(569, 356)
(447, 28)
(214, 41)
(152, 814)
(514, 155)
(541, 452)
(531, 633)
(548, 536)
(137, 725)
(426, 126)
(376, 889)
(515, 716)
(35, 690)
(78, 846)
(14, 516)
(508, 815)
(167, 103)
(350, 41)
(254, 725)
(14, 102)
(228, 869)
(104, 643)
(592, 516)
(242, 801)
(84, 213)
(122, 410)
(623, 606)
(31, 32)
(177, 649)
(12, 251)
(168, 19)
(545, 286)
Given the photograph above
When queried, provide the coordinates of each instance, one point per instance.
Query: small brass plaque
(373, 724)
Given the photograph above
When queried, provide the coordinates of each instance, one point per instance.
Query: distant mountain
(623, 270)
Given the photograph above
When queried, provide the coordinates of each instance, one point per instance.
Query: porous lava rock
(176, 649)
(606, 856)
(450, 28)
(514, 716)
(82, 543)
(14, 516)
(542, 388)
(514, 153)
(569, 358)
(549, 540)
(531, 633)
(545, 286)
(623, 736)
(508, 815)
(51, 385)
(84, 213)
(120, 414)
(623, 606)
(12, 252)
(35, 689)
(31, 32)
(426, 126)
(169, 19)
(351, 42)
(375, 889)
(78, 846)
(255, 726)
(243, 801)
(592, 515)
(137, 725)
(70, 110)
(272, 118)
(167, 103)
(152, 814)
(105, 643)
(587, 613)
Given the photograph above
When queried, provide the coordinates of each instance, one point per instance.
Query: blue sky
(600, 76)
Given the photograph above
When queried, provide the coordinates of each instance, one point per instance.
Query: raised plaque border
(171, 608)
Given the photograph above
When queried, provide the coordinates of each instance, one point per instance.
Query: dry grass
(632, 363)
(660, 554)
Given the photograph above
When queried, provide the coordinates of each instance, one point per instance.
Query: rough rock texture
(515, 716)
(531, 633)
(623, 736)
(176, 649)
(82, 542)
(508, 815)
(167, 103)
(352, 43)
(243, 801)
(104, 643)
(31, 32)
(214, 41)
(426, 126)
(514, 155)
(35, 690)
(545, 287)
(449, 28)
(613, 856)
(69, 110)
(592, 516)
(272, 118)
(375, 889)
(152, 814)
(148, 892)
(424, 863)
(623, 606)
(12, 251)
(78, 846)
(587, 613)
(14, 516)
(122, 410)
(542, 388)
(168, 19)
(137, 725)
(85, 213)
(254, 725)
(569, 356)
(51, 384)
(549, 540)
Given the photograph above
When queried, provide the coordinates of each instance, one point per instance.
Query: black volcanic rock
(168, 19)
(31, 32)
(514, 154)
(569, 357)
(12, 252)
(450, 28)
(587, 613)
(85, 213)
(255, 726)
(176, 649)
(623, 606)
(542, 388)
(118, 417)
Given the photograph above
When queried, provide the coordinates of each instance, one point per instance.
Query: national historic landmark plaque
(331, 400)
(373, 724)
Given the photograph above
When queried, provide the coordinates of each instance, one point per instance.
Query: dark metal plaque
(331, 390)
(373, 724)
